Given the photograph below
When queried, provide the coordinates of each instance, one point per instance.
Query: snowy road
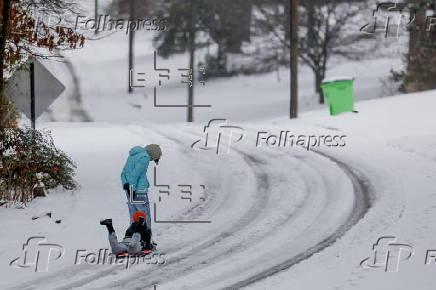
(363, 196)
(266, 217)
(280, 217)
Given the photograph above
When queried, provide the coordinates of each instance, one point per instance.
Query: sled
(141, 254)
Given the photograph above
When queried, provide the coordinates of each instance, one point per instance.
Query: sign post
(32, 94)
(33, 89)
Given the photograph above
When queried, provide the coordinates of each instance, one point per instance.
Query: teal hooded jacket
(135, 170)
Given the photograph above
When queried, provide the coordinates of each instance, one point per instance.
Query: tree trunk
(4, 103)
(420, 71)
(294, 59)
(222, 59)
(190, 113)
(319, 76)
(96, 16)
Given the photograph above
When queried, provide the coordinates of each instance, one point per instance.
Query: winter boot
(108, 224)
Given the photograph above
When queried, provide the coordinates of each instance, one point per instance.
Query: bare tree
(325, 23)
(326, 28)
(420, 71)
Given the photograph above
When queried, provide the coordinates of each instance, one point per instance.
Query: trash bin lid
(336, 79)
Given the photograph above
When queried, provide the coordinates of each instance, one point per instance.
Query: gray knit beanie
(154, 151)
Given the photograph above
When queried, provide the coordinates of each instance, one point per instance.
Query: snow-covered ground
(260, 217)
(275, 212)
(102, 75)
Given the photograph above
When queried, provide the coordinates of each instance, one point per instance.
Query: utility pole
(96, 17)
(190, 113)
(294, 53)
(131, 41)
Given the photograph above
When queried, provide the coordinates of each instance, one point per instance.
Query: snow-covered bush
(26, 155)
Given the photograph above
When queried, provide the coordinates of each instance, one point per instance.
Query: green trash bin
(339, 94)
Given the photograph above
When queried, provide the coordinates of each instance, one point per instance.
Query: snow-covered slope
(281, 218)
(102, 74)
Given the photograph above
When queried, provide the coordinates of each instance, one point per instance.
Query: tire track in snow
(74, 271)
(363, 196)
(194, 258)
(197, 262)
(360, 206)
(256, 167)
(250, 216)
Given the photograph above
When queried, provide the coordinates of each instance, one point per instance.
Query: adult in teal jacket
(134, 178)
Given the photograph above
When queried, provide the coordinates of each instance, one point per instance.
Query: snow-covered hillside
(279, 216)
(102, 80)
(286, 204)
